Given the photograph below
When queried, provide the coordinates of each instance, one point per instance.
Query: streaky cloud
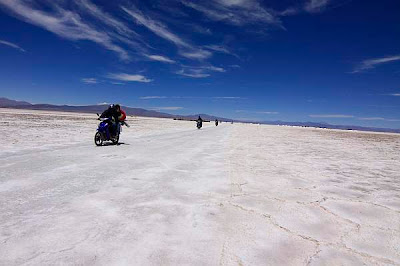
(193, 73)
(105, 18)
(315, 6)
(218, 48)
(199, 71)
(235, 12)
(152, 97)
(372, 63)
(155, 26)
(117, 83)
(215, 69)
(196, 54)
(371, 118)
(161, 58)
(228, 97)
(128, 77)
(267, 113)
(161, 30)
(290, 11)
(62, 22)
(12, 45)
(90, 80)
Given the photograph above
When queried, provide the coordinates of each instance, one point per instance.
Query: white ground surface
(174, 195)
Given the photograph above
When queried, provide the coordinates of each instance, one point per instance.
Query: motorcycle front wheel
(98, 140)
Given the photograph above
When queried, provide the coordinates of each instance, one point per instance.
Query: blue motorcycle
(103, 132)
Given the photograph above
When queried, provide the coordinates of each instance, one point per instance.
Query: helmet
(117, 106)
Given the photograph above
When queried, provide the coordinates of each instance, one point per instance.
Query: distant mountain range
(7, 103)
(325, 125)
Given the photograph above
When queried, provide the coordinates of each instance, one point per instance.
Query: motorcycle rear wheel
(115, 139)
(98, 139)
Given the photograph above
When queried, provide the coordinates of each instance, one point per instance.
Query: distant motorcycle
(199, 124)
(103, 132)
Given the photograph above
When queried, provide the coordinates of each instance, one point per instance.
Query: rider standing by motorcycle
(115, 115)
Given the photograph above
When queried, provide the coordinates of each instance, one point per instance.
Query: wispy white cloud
(90, 80)
(268, 113)
(197, 54)
(12, 45)
(62, 22)
(331, 116)
(395, 94)
(161, 58)
(193, 73)
(214, 68)
(116, 29)
(128, 77)
(371, 118)
(199, 71)
(218, 48)
(236, 12)
(372, 63)
(161, 30)
(290, 11)
(200, 29)
(228, 97)
(152, 97)
(155, 26)
(105, 18)
(314, 6)
(83, 20)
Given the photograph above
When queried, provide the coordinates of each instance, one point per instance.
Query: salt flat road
(226, 195)
(129, 203)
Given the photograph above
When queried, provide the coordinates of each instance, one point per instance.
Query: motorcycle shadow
(112, 144)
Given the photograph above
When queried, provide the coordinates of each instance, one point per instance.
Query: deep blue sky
(336, 61)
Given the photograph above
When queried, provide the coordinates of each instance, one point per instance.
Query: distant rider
(115, 115)
(199, 122)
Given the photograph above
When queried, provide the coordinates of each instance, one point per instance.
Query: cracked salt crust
(228, 195)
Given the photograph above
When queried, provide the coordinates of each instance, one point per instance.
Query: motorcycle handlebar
(123, 123)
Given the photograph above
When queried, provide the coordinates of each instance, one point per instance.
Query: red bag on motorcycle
(122, 117)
